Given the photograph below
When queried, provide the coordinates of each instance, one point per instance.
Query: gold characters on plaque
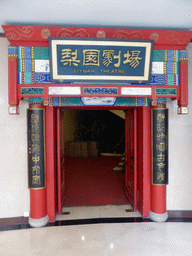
(36, 170)
(35, 150)
(36, 180)
(34, 118)
(69, 57)
(109, 55)
(34, 128)
(132, 58)
(161, 147)
(91, 57)
(35, 137)
(35, 159)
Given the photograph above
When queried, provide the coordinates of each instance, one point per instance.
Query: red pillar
(158, 191)
(37, 166)
(12, 81)
(183, 73)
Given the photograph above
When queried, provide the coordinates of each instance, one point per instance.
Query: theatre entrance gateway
(86, 176)
(125, 69)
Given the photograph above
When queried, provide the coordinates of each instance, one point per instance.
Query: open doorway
(91, 143)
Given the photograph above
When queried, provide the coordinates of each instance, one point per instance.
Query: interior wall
(14, 193)
(103, 126)
(70, 125)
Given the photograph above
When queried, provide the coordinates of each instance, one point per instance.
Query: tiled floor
(79, 235)
(88, 212)
(122, 239)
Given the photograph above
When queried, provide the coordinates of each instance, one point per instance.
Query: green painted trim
(160, 91)
(32, 90)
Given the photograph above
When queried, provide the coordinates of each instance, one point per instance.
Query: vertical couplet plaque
(159, 146)
(36, 148)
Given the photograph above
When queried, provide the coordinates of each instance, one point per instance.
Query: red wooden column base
(158, 204)
(38, 208)
(158, 211)
(38, 201)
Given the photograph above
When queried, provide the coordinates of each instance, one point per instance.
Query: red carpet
(91, 181)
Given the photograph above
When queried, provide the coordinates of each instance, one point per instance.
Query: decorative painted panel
(30, 43)
(99, 101)
(164, 71)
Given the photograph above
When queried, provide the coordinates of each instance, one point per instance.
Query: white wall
(179, 190)
(132, 13)
(14, 193)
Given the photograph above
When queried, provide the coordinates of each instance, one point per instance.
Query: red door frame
(60, 161)
(50, 162)
(144, 160)
(144, 157)
(131, 156)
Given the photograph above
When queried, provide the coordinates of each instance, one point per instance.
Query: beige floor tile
(90, 212)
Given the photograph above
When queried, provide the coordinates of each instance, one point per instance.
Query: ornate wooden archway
(29, 43)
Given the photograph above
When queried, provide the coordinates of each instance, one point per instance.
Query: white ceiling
(175, 14)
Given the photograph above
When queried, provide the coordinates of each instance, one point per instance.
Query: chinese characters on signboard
(36, 161)
(92, 58)
(160, 147)
(100, 60)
